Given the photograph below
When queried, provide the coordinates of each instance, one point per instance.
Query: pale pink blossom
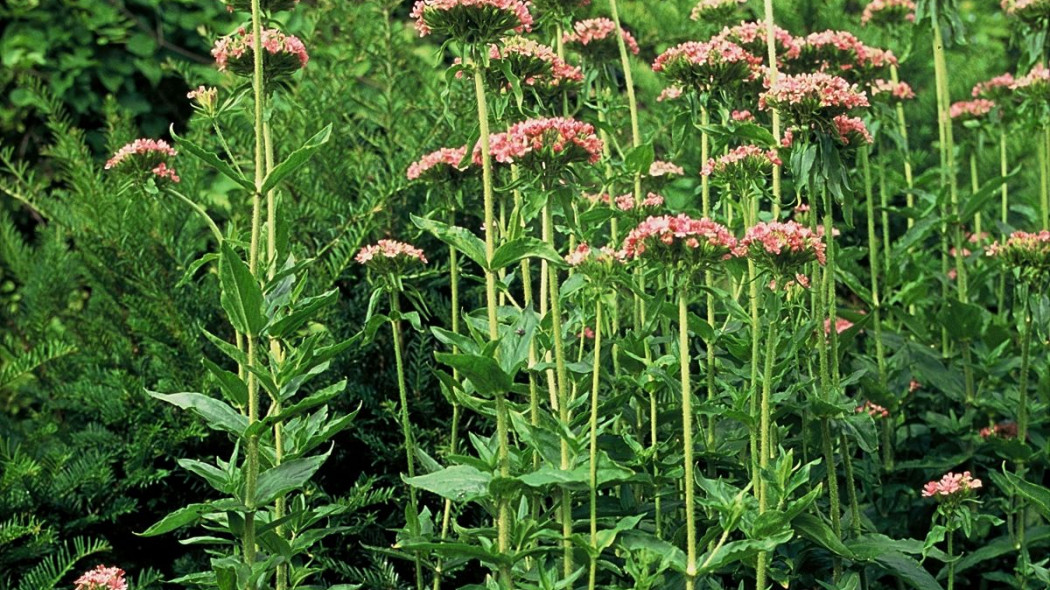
(710, 65)
(742, 116)
(746, 162)
(952, 486)
(752, 37)
(438, 163)
(783, 246)
(808, 95)
(874, 410)
(971, 109)
(554, 141)
(594, 37)
(1006, 429)
(1028, 251)
(851, 130)
(997, 88)
(669, 93)
(891, 91)
(914, 386)
(841, 325)
(661, 168)
(461, 18)
(535, 63)
(235, 51)
(385, 251)
(102, 578)
(703, 240)
(888, 12)
(146, 154)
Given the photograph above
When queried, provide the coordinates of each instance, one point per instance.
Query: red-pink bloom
(438, 165)
(851, 130)
(841, 325)
(874, 410)
(669, 93)
(102, 578)
(808, 96)
(752, 37)
(788, 139)
(783, 247)
(742, 164)
(971, 109)
(1006, 429)
(715, 64)
(146, 154)
(742, 116)
(1028, 251)
(587, 333)
(891, 91)
(595, 38)
(471, 21)
(625, 202)
(996, 89)
(888, 12)
(953, 486)
(701, 242)
(914, 386)
(1035, 85)
(384, 252)
(533, 63)
(660, 168)
(283, 54)
(584, 256)
(548, 142)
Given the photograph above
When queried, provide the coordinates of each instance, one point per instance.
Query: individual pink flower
(890, 92)
(282, 54)
(626, 202)
(669, 93)
(717, 64)
(698, 242)
(783, 247)
(744, 116)
(1029, 252)
(587, 333)
(967, 110)
(386, 255)
(471, 21)
(438, 165)
(742, 164)
(145, 154)
(874, 410)
(661, 168)
(851, 131)
(888, 12)
(584, 257)
(752, 37)
(545, 144)
(102, 578)
(953, 487)
(594, 38)
(715, 11)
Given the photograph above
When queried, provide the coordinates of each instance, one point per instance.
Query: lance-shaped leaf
(517, 250)
(178, 519)
(286, 477)
(296, 159)
(211, 159)
(241, 296)
(218, 414)
(302, 313)
(459, 483)
(482, 371)
(457, 237)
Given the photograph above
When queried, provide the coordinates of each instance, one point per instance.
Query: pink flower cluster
(708, 242)
(952, 486)
(233, 51)
(1005, 430)
(1028, 251)
(1035, 85)
(891, 91)
(783, 246)
(584, 255)
(971, 109)
(390, 251)
(546, 68)
(874, 410)
(841, 325)
(555, 141)
(851, 130)
(742, 163)
(148, 154)
(1030, 11)
(888, 12)
(669, 93)
(812, 93)
(465, 18)
(102, 578)
(742, 116)
(438, 163)
(997, 88)
(752, 37)
(204, 96)
(661, 168)
(844, 51)
(707, 10)
(595, 36)
(709, 65)
(625, 202)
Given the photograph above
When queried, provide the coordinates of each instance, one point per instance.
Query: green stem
(851, 489)
(200, 211)
(833, 485)
(687, 437)
(1004, 209)
(764, 431)
(774, 72)
(873, 267)
(1044, 195)
(951, 559)
(632, 101)
(595, 380)
(406, 427)
(975, 185)
(561, 385)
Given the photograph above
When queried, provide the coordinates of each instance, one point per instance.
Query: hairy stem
(687, 436)
(595, 381)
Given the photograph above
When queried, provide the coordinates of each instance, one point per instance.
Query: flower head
(996, 89)
(967, 110)
(102, 578)
(145, 155)
(717, 64)
(874, 410)
(390, 256)
(715, 11)
(204, 97)
(890, 92)
(1007, 429)
(1029, 252)
(282, 54)
(661, 168)
(842, 52)
(812, 100)
(472, 21)
(439, 165)
(1035, 85)
(547, 144)
(752, 37)
(783, 247)
(742, 164)
(952, 487)
(1033, 12)
(596, 264)
(851, 131)
(699, 243)
(533, 63)
(594, 38)
(669, 93)
(888, 13)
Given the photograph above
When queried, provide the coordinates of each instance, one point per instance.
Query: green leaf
(302, 313)
(286, 477)
(241, 296)
(982, 197)
(819, 532)
(235, 390)
(639, 159)
(212, 160)
(217, 414)
(296, 159)
(1038, 497)
(459, 483)
(962, 320)
(216, 478)
(178, 519)
(516, 250)
(457, 237)
(310, 402)
(907, 570)
(738, 550)
(235, 354)
(482, 371)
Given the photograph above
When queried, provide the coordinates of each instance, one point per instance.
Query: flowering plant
(718, 64)
(595, 39)
(283, 54)
(145, 155)
(473, 22)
